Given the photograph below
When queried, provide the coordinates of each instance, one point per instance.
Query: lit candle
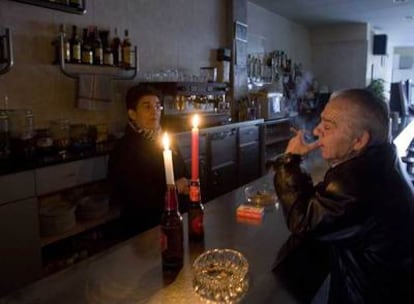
(194, 148)
(168, 163)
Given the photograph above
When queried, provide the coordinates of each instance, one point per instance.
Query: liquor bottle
(126, 52)
(172, 247)
(108, 56)
(66, 46)
(75, 46)
(116, 47)
(195, 213)
(97, 48)
(87, 53)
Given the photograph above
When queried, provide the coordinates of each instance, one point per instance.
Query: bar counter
(131, 271)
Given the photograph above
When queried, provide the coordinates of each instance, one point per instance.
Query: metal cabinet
(59, 177)
(221, 161)
(20, 261)
(276, 137)
(249, 156)
(20, 258)
(17, 186)
(230, 156)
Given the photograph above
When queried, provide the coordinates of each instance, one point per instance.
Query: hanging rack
(116, 72)
(6, 44)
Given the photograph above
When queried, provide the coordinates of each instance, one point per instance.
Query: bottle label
(98, 56)
(108, 59)
(67, 51)
(194, 193)
(126, 56)
(197, 225)
(76, 52)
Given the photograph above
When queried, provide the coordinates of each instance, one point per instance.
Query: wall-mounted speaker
(380, 45)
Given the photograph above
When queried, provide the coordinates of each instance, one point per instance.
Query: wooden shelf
(56, 6)
(81, 68)
(81, 226)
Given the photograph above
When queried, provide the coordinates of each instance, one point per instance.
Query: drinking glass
(261, 195)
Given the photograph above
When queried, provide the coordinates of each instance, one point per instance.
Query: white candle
(168, 162)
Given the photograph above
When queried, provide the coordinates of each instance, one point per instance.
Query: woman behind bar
(136, 168)
(363, 210)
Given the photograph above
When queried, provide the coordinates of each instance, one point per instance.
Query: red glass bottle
(195, 213)
(172, 246)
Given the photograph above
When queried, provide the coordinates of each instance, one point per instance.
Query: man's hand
(297, 144)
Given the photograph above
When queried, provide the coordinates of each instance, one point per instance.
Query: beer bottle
(195, 213)
(172, 247)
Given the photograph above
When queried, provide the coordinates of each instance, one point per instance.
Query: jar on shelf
(80, 138)
(22, 133)
(59, 130)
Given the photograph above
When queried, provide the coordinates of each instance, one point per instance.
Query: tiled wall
(169, 34)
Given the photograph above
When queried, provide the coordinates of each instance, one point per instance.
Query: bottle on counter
(75, 46)
(126, 52)
(172, 247)
(195, 213)
(116, 47)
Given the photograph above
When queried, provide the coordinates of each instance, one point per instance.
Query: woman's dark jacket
(137, 177)
(363, 211)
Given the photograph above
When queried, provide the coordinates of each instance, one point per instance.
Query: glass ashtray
(220, 276)
(262, 195)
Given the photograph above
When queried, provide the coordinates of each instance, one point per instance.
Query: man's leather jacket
(364, 211)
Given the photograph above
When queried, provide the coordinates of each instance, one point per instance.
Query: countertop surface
(131, 271)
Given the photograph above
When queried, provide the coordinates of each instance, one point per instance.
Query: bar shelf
(81, 10)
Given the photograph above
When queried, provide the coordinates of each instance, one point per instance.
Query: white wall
(268, 31)
(339, 55)
(399, 74)
(379, 66)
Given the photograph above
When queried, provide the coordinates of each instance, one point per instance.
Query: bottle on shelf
(75, 46)
(66, 46)
(116, 47)
(172, 247)
(108, 56)
(195, 213)
(97, 48)
(87, 53)
(126, 52)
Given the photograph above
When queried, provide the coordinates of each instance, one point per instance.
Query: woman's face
(147, 112)
(337, 135)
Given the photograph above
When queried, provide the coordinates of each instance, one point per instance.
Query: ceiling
(392, 17)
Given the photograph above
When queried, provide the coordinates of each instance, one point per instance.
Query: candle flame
(166, 141)
(195, 121)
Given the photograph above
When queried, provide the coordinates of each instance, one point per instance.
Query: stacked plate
(57, 218)
(92, 207)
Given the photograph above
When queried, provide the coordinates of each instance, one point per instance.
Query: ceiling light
(399, 1)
